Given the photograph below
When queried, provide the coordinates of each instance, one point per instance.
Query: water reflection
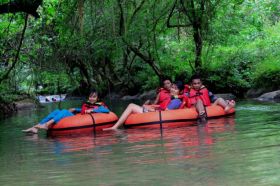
(175, 142)
(238, 150)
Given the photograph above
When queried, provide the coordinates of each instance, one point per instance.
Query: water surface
(238, 150)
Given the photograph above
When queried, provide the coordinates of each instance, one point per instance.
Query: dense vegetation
(57, 46)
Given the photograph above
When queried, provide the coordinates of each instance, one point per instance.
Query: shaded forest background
(126, 46)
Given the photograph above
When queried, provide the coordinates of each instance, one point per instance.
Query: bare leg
(33, 130)
(202, 117)
(227, 105)
(200, 107)
(230, 105)
(132, 108)
(221, 102)
(45, 126)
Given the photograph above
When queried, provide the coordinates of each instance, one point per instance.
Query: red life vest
(185, 101)
(87, 106)
(164, 98)
(201, 94)
(187, 88)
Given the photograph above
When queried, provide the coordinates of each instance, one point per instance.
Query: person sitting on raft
(163, 94)
(199, 97)
(173, 103)
(186, 92)
(92, 105)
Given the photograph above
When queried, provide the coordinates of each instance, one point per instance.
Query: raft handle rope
(160, 121)
(93, 122)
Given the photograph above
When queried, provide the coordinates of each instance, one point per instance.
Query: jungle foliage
(64, 46)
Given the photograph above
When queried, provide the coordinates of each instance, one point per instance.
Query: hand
(173, 96)
(150, 108)
(72, 110)
(88, 111)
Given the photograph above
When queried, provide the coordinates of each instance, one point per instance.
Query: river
(238, 150)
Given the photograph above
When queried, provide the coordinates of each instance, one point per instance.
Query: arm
(101, 109)
(75, 110)
(84, 108)
(156, 100)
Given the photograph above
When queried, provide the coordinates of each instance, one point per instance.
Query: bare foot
(42, 127)
(32, 130)
(230, 105)
(110, 128)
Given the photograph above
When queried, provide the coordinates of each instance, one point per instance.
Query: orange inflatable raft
(173, 116)
(96, 121)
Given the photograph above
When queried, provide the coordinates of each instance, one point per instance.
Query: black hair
(195, 76)
(182, 76)
(180, 85)
(93, 91)
(164, 78)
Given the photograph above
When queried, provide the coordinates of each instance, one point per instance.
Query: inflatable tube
(96, 121)
(173, 116)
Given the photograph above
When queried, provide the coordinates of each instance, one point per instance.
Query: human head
(176, 88)
(182, 76)
(166, 82)
(93, 96)
(196, 82)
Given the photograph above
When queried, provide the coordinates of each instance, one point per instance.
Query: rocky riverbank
(21, 103)
(262, 94)
(270, 96)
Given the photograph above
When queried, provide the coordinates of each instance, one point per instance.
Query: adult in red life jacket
(173, 104)
(90, 106)
(199, 97)
(208, 97)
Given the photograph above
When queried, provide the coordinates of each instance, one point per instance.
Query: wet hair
(93, 91)
(180, 85)
(195, 76)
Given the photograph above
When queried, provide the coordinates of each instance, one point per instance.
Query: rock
(227, 96)
(113, 95)
(254, 93)
(25, 104)
(148, 95)
(270, 96)
(128, 98)
(7, 109)
(144, 96)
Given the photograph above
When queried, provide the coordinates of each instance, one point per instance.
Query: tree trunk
(5, 76)
(198, 47)
(81, 15)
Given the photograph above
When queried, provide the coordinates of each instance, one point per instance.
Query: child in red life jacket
(91, 106)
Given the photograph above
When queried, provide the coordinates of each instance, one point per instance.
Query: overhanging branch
(27, 6)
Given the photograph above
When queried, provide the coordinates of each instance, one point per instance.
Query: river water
(243, 149)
